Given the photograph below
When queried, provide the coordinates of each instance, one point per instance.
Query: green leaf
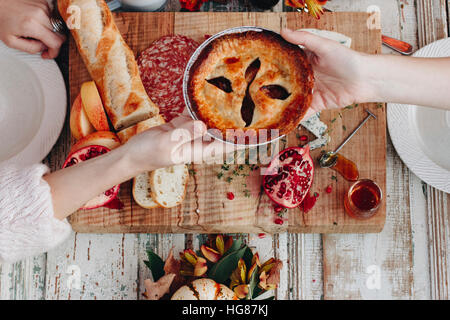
(155, 264)
(248, 256)
(253, 284)
(222, 270)
(236, 245)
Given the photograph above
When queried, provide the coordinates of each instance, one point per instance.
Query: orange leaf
(210, 254)
(200, 267)
(241, 291)
(220, 244)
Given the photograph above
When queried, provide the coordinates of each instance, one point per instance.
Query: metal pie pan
(187, 74)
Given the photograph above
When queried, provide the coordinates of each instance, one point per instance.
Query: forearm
(408, 80)
(72, 187)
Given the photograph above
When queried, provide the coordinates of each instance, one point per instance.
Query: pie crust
(225, 93)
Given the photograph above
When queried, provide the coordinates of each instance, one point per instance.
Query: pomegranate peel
(85, 154)
(289, 177)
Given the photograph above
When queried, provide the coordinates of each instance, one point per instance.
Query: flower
(192, 5)
(240, 279)
(217, 248)
(314, 7)
(192, 264)
(269, 274)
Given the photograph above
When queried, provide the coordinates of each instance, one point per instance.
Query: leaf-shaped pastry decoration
(252, 70)
(222, 83)
(248, 106)
(275, 91)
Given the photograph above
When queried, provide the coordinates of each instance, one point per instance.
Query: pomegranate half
(289, 177)
(87, 153)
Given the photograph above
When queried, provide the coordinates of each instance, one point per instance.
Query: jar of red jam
(363, 199)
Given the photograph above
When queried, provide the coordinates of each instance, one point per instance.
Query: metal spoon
(329, 158)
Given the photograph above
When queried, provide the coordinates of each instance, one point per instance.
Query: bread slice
(168, 185)
(142, 192)
(126, 134)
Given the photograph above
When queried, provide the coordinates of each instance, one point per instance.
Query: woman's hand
(338, 71)
(25, 25)
(179, 141)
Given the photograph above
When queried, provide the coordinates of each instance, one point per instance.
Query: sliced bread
(168, 185)
(142, 191)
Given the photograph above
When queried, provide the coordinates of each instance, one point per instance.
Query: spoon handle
(397, 45)
(353, 133)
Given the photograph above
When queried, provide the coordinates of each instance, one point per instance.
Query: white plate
(421, 135)
(32, 106)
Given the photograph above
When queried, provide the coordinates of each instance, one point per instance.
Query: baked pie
(251, 80)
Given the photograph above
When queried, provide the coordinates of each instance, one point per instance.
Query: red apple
(93, 106)
(79, 122)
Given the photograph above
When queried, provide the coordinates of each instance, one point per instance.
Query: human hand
(25, 25)
(338, 71)
(180, 141)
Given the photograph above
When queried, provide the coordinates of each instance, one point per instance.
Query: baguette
(110, 62)
(127, 133)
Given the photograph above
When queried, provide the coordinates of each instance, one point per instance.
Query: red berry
(278, 221)
(230, 195)
(261, 235)
(329, 189)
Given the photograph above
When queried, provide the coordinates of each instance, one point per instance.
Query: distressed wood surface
(417, 227)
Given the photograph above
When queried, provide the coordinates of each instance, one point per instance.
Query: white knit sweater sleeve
(27, 224)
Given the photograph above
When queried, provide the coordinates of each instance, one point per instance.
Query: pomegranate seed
(329, 189)
(261, 235)
(304, 138)
(279, 221)
(207, 36)
(278, 209)
(230, 195)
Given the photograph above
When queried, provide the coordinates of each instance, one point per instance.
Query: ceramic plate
(32, 106)
(421, 135)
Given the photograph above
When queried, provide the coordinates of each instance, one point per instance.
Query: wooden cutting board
(206, 208)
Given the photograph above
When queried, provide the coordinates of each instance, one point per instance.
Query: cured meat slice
(162, 67)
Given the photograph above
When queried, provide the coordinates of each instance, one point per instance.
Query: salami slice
(162, 67)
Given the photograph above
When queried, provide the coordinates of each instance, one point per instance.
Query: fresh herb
(344, 128)
(334, 178)
(220, 175)
(379, 105)
(225, 167)
(192, 172)
(333, 120)
(348, 107)
(229, 179)
(247, 193)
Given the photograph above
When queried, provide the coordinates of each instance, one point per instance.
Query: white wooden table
(410, 259)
